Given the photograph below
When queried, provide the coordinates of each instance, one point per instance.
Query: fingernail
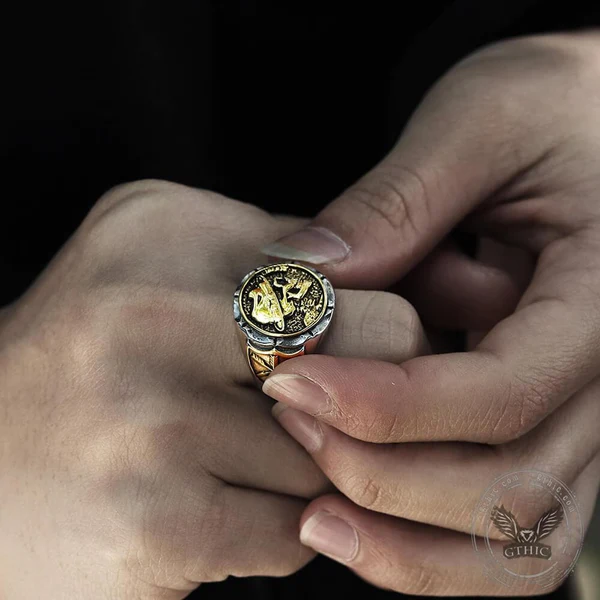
(330, 535)
(315, 245)
(302, 427)
(298, 391)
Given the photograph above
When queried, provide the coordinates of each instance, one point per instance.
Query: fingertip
(331, 535)
(297, 391)
(305, 429)
(313, 244)
(334, 504)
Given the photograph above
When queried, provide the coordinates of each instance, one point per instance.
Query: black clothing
(262, 100)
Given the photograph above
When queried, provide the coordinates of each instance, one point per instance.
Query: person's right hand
(136, 457)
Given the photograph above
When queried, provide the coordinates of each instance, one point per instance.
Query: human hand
(137, 457)
(506, 146)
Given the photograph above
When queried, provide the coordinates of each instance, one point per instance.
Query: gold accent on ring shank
(262, 363)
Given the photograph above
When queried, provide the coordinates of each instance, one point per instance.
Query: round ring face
(283, 300)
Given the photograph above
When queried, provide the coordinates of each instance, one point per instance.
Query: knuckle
(122, 496)
(149, 493)
(235, 545)
(345, 419)
(483, 81)
(289, 566)
(209, 560)
(367, 423)
(158, 528)
(534, 405)
(569, 51)
(520, 406)
(422, 582)
(388, 430)
(507, 426)
(406, 332)
(130, 191)
(396, 196)
(533, 401)
(130, 216)
(392, 326)
(364, 491)
(118, 331)
(419, 579)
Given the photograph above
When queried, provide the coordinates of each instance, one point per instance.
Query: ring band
(282, 311)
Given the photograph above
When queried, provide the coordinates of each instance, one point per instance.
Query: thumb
(458, 148)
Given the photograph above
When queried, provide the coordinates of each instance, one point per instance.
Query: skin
(505, 146)
(138, 459)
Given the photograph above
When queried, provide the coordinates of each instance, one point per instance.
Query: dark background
(282, 104)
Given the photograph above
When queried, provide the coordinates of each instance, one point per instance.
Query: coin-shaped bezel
(271, 268)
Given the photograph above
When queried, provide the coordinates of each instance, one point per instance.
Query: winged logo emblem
(507, 524)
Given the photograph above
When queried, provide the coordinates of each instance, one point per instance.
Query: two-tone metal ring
(282, 311)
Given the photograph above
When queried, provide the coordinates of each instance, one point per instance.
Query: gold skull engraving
(283, 300)
(269, 308)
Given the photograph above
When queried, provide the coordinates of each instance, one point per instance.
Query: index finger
(529, 364)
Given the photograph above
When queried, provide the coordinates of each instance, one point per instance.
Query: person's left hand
(507, 146)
